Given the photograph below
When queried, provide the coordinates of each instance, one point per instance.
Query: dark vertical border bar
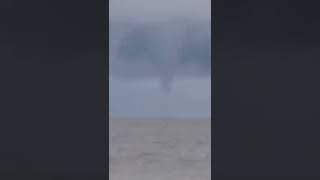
(107, 15)
(213, 94)
(266, 94)
(53, 91)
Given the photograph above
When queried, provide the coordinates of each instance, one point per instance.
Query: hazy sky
(160, 9)
(190, 94)
(189, 98)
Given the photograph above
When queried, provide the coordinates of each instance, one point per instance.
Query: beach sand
(159, 149)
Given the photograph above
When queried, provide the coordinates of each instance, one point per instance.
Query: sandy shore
(158, 150)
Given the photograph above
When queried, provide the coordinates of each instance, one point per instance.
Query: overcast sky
(190, 95)
(159, 9)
